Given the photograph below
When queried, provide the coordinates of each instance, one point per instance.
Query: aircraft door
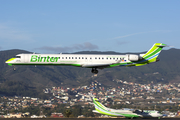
(22, 58)
(18, 59)
(26, 58)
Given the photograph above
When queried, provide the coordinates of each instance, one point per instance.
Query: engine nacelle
(134, 57)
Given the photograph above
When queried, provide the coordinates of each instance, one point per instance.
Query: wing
(94, 65)
(99, 65)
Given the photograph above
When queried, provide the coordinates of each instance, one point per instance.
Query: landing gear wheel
(94, 70)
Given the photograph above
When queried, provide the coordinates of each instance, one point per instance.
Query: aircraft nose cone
(10, 60)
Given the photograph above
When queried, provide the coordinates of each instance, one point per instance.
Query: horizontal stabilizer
(95, 111)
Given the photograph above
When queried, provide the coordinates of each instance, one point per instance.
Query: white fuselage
(149, 113)
(80, 60)
(71, 59)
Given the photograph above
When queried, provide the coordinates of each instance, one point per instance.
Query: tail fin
(153, 53)
(98, 104)
(100, 108)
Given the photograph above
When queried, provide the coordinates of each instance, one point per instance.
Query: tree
(67, 112)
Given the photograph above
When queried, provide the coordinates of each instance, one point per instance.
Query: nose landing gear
(94, 70)
(14, 67)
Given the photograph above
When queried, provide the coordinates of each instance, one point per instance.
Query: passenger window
(79, 57)
(75, 57)
(72, 58)
(69, 57)
(62, 57)
(82, 57)
(95, 57)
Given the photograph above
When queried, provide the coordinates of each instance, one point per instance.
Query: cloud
(122, 42)
(124, 36)
(84, 46)
(118, 42)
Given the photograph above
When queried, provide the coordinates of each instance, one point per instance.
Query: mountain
(30, 80)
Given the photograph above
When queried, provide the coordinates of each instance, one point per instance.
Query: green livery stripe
(157, 47)
(152, 60)
(154, 47)
(130, 116)
(77, 65)
(153, 53)
(140, 64)
(105, 113)
(9, 64)
(99, 105)
(117, 64)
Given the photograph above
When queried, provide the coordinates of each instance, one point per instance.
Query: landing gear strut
(14, 67)
(94, 70)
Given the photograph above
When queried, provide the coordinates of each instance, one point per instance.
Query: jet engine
(132, 57)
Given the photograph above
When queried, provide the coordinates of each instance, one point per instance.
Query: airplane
(94, 61)
(128, 113)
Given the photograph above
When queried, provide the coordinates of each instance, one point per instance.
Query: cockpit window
(18, 56)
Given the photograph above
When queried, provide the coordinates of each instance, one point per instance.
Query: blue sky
(54, 26)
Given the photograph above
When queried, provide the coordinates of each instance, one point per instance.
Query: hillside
(30, 80)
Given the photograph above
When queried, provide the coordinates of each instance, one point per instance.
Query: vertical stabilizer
(153, 53)
(98, 104)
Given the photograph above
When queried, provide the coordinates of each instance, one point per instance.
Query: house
(57, 115)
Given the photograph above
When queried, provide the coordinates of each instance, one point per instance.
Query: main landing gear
(94, 70)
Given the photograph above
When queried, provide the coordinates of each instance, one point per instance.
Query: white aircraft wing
(94, 65)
